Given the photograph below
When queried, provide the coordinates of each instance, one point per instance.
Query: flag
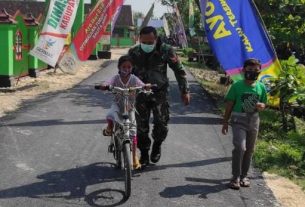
(57, 26)
(181, 31)
(165, 26)
(191, 18)
(148, 16)
(93, 28)
(115, 17)
(235, 33)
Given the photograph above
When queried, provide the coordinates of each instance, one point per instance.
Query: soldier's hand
(224, 129)
(186, 98)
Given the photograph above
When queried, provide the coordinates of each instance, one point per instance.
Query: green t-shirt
(245, 97)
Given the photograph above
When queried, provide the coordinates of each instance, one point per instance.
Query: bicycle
(121, 144)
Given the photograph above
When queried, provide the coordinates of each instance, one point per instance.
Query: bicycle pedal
(111, 148)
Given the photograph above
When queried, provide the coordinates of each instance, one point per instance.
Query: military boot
(144, 160)
(156, 152)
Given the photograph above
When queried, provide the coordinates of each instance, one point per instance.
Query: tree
(284, 20)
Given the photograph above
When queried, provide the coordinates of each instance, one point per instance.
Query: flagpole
(148, 16)
(264, 26)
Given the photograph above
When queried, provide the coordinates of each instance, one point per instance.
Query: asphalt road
(52, 154)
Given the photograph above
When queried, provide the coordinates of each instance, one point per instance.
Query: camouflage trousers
(157, 104)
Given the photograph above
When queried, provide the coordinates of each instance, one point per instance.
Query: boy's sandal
(107, 132)
(245, 182)
(234, 184)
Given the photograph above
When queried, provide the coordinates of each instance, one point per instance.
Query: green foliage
(279, 151)
(270, 125)
(274, 154)
(289, 87)
(284, 20)
(290, 84)
(188, 51)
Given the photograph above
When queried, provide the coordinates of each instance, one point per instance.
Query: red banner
(94, 27)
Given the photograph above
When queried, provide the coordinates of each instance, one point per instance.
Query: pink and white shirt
(133, 81)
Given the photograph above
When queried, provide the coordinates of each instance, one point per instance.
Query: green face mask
(147, 48)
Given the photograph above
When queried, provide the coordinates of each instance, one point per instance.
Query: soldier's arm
(179, 70)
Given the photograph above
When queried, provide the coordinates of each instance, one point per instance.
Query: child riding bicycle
(123, 79)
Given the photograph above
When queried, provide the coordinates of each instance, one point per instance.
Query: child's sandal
(107, 132)
(234, 184)
(245, 182)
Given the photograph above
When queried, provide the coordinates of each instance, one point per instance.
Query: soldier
(150, 59)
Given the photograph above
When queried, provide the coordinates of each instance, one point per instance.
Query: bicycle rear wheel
(127, 168)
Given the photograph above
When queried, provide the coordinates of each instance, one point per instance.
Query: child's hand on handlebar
(104, 87)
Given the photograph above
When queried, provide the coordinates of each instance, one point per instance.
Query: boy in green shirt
(244, 100)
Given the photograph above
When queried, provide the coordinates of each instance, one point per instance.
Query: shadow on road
(201, 102)
(55, 122)
(195, 120)
(86, 95)
(72, 183)
(190, 189)
(61, 122)
(198, 163)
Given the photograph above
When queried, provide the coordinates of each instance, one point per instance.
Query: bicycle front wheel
(127, 168)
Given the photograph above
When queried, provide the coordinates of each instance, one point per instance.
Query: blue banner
(236, 33)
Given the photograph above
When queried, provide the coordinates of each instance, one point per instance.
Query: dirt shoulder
(286, 192)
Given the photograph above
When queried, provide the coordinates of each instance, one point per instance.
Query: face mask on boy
(251, 75)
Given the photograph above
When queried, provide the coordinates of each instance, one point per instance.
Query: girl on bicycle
(123, 79)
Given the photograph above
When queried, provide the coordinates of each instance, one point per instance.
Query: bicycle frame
(123, 146)
(121, 130)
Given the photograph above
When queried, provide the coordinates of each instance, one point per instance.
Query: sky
(144, 5)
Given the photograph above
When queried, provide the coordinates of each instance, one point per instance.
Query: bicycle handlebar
(119, 89)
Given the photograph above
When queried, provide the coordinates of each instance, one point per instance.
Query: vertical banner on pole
(91, 31)
(191, 18)
(94, 27)
(57, 26)
(181, 31)
(165, 26)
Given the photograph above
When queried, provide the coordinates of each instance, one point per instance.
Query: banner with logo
(191, 18)
(165, 26)
(94, 27)
(180, 28)
(116, 16)
(56, 28)
(235, 33)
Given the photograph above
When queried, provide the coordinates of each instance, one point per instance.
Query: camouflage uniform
(152, 68)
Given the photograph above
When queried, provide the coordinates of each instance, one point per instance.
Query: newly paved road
(52, 154)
